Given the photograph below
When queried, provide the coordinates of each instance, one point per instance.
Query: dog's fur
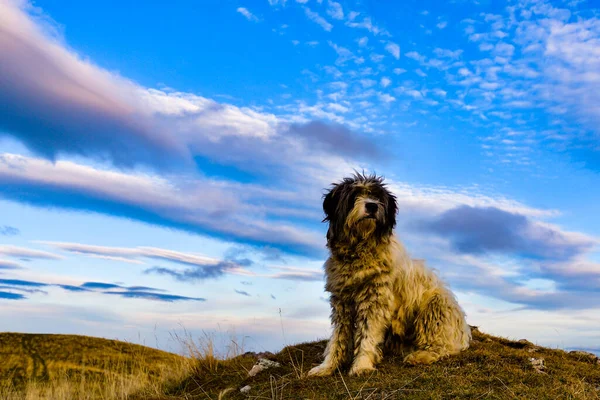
(380, 297)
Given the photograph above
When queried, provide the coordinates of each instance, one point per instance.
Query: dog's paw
(421, 357)
(321, 370)
(361, 367)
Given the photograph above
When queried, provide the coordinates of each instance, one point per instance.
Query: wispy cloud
(201, 267)
(393, 49)
(11, 296)
(316, 18)
(367, 24)
(15, 251)
(335, 10)
(297, 274)
(9, 231)
(150, 199)
(136, 294)
(249, 16)
(6, 264)
(142, 292)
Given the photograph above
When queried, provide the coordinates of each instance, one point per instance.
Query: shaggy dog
(379, 296)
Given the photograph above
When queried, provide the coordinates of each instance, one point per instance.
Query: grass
(66, 367)
(493, 368)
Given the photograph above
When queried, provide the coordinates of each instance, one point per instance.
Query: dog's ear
(330, 202)
(392, 209)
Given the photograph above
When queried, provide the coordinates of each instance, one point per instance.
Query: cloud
(442, 24)
(19, 282)
(99, 285)
(199, 207)
(297, 274)
(344, 55)
(476, 230)
(365, 24)
(316, 18)
(393, 49)
(243, 293)
(194, 274)
(202, 267)
(15, 251)
(49, 110)
(335, 10)
(153, 296)
(249, 16)
(77, 108)
(337, 139)
(142, 292)
(9, 231)
(385, 81)
(5, 264)
(11, 296)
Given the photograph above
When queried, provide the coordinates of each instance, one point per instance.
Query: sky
(162, 168)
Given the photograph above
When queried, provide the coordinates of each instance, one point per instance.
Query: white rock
(538, 364)
(245, 389)
(261, 365)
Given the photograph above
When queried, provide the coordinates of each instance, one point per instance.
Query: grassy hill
(72, 367)
(493, 368)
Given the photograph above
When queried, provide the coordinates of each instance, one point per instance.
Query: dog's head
(359, 208)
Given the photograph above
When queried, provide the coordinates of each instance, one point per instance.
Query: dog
(380, 298)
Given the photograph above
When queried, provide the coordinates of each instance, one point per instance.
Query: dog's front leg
(339, 346)
(372, 319)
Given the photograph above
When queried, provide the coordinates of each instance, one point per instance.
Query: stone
(262, 365)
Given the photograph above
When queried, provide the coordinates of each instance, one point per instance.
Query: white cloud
(133, 254)
(386, 98)
(393, 49)
(385, 81)
(366, 24)
(367, 83)
(335, 10)
(399, 71)
(441, 24)
(316, 18)
(195, 205)
(23, 252)
(249, 16)
(376, 58)
(363, 41)
(344, 55)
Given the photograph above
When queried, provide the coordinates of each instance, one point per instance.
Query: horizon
(162, 168)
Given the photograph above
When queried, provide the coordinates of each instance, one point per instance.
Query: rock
(261, 365)
(245, 389)
(538, 364)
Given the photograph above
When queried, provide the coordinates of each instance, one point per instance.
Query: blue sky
(162, 167)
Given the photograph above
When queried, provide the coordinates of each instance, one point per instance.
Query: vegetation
(84, 367)
(67, 367)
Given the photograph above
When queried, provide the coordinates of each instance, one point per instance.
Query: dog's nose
(371, 208)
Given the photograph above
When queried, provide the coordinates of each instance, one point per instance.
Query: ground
(492, 368)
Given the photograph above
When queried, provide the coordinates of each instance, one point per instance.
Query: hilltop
(73, 366)
(493, 368)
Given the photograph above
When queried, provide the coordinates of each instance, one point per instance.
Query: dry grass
(74, 367)
(493, 368)
(66, 367)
